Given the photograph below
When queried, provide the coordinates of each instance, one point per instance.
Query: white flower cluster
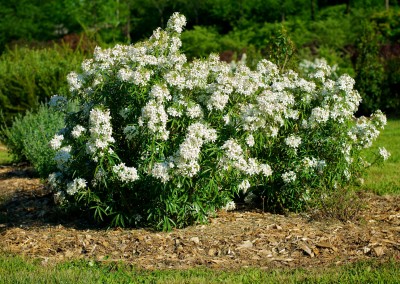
(100, 131)
(56, 142)
(384, 153)
(156, 117)
(77, 131)
(244, 185)
(63, 157)
(318, 68)
(293, 141)
(234, 158)
(176, 22)
(124, 173)
(76, 185)
(363, 133)
(74, 81)
(161, 170)
(289, 177)
(148, 98)
(230, 206)
(186, 159)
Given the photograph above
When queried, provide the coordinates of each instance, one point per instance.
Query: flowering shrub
(158, 140)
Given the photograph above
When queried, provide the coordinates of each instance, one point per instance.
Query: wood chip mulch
(232, 240)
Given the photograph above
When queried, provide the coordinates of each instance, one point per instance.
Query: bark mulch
(30, 226)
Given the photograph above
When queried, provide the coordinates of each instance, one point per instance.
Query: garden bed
(30, 225)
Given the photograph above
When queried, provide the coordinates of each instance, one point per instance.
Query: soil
(30, 225)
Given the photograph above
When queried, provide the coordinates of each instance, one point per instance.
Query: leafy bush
(29, 136)
(160, 141)
(29, 76)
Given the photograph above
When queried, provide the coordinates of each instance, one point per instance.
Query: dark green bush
(28, 138)
(29, 76)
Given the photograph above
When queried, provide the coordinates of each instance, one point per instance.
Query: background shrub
(27, 139)
(30, 76)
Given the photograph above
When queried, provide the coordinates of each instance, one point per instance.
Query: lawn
(384, 179)
(18, 270)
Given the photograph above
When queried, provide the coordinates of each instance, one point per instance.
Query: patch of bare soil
(29, 225)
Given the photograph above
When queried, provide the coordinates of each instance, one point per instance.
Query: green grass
(5, 157)
(14, 269)
(384, 179)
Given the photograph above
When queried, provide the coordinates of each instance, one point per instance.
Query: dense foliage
(28, 138)
(30, 76)
(162, 141)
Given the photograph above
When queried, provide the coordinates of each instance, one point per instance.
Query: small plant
(29, 136)
(342, 204)
(161, 141)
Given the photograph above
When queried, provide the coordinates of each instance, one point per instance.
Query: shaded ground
(30, 225)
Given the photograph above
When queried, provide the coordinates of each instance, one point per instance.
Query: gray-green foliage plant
(27, 139)
(160, 141)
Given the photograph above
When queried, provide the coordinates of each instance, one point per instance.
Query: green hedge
(29, 76)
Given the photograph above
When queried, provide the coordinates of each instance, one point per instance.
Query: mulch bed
(29, 226)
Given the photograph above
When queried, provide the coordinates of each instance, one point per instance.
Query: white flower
(250, 140)
(56, 142)
(384, 153)
(176, 22)
(74, 81)
(230, 206)
(76, 185)
(100, 131)
(293, 141)
(265, 170)
(289, 177)
(174, 112)
(77, 131)
(379, 119)
(309, 162)
(125, 74)
(233, 150)
(195, 111)
(160, 93)
(319, 115)
(217, 101)
(244, 185)
(53, 179)
(226, 119)
(99, 175)
(124, 173)
(160, 171)
(156, 117)
(62, 157)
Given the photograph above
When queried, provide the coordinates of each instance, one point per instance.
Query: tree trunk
(347, 6)
(387, 5)
(312, 10)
